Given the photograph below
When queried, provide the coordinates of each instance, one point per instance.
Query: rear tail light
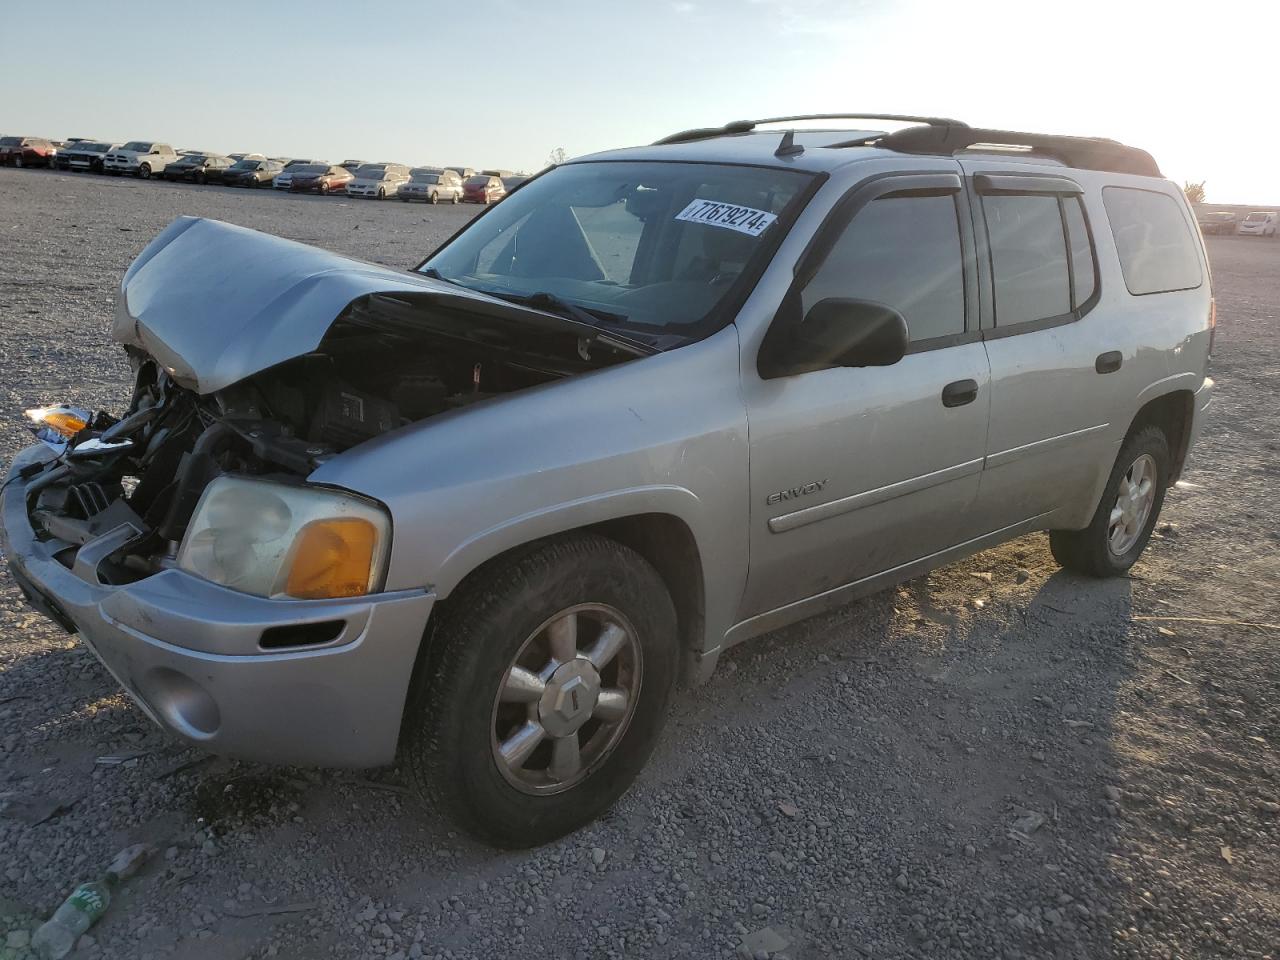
(1213, 321)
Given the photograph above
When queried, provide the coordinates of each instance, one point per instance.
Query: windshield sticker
(746, 220)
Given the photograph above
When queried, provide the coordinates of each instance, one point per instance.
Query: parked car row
(354, 178)
(1258, 223)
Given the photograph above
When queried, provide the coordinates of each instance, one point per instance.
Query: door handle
(1108, 362)
(959, 393)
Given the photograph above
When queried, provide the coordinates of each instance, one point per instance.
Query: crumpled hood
(215, 303)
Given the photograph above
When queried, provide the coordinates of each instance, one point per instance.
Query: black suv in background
(197, 167)
(251, 173)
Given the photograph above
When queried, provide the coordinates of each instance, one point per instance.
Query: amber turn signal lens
(61, 420)
(332, 558)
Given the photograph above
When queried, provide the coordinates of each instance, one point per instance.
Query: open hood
(215, 303)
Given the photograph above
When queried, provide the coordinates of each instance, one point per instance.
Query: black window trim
(898, 182)
(1031, 184)
(1200, 255)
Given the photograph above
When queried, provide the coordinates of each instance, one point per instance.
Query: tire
(454, 720)
(434, 198)
(382, 194)
(455, 199)
(17, 162)
(144, 171)
(1104, 549)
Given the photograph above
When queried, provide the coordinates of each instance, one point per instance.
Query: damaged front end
(260, 359)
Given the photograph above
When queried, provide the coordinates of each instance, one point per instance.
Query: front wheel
(382, 194)
(544, 690)
(455, 199)
(1127, 513)
(144, 171)
(17, 162)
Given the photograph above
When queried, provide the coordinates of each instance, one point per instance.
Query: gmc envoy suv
(483, 515)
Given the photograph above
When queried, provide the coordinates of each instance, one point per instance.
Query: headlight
(274, 540)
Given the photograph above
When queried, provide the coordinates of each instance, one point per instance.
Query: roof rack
(746, 126)
(1090, 153)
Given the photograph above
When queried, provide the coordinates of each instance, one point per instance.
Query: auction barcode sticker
(728, 215)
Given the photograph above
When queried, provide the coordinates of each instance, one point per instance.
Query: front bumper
(190, 652)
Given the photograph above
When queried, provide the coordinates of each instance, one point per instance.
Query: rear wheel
(1127, 513)
(545, 690)
(17, 161)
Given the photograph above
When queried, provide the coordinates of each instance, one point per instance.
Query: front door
(855, 471)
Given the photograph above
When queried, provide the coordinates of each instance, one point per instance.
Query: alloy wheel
(566, 699)
(1133, 504)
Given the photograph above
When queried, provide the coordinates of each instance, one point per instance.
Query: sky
(503, 83)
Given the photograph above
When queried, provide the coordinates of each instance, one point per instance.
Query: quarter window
(1153, 240)
(1028, 257)
(1084, 278)
(902, 251)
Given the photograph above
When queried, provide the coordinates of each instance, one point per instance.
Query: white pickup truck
(142, 158)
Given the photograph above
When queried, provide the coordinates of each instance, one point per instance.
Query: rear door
(1057, 353)
(855, 471)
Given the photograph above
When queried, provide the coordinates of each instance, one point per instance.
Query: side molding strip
(833, 508)
(1038, 446)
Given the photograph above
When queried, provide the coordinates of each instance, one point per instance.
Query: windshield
(371, 171)
(1257, 216)
(93, 147)
(422, 177)
(246, 165)
(650, 246)
(139, 146)
(10, 141)
(309, 170)
(191, 160)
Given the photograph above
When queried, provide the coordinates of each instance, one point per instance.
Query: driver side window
(903, 251)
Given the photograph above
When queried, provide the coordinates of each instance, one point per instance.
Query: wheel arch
(1173, 413)
(665, 540)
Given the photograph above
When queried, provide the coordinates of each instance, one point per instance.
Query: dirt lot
(997, 760)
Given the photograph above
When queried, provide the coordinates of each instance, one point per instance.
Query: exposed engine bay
(386, 361)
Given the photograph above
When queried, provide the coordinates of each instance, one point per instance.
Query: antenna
(788, 147)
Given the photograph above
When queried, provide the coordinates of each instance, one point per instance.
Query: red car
(26, 152)
(320, 178)
(483, 189)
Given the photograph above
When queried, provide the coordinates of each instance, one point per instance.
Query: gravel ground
(996, 760)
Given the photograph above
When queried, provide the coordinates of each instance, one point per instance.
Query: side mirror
(836, 332)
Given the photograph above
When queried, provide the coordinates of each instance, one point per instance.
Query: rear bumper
(1199, 411)
(190, 652)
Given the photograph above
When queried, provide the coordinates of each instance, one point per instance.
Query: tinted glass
(904, 252)
(10, 141)
(1028, 258)
(1083, 275)
(1153, 241)
(654, 247)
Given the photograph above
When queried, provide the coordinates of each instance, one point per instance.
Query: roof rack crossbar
(746, 126)
(1090, 153)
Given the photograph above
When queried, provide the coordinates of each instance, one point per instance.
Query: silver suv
(485, 513)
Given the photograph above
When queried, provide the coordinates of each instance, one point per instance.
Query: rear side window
(902, 251)
(1157, 252)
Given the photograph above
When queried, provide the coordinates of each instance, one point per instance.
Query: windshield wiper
(592, 318)
(435, 274)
